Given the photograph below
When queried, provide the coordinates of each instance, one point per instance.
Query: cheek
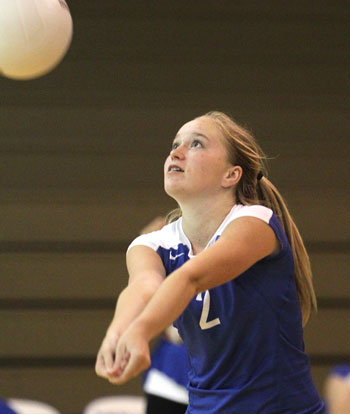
(200, 164)
(210, 167)
(166, 163)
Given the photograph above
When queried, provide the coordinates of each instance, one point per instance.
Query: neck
(200, 220)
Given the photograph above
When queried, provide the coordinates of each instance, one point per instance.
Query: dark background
(81, 155)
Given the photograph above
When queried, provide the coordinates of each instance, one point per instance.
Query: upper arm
(244, 242)
(249, 239)
(145, 265)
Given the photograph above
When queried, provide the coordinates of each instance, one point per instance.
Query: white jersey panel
(171, 235)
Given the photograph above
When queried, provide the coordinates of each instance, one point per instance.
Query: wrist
(114, 330)
(142, 328)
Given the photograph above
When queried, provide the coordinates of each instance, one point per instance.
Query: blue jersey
(244, 337)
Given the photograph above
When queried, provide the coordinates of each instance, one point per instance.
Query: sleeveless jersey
(245, 337)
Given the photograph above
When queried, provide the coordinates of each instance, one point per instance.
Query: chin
(174, 191)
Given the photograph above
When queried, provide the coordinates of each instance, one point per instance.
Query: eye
(174, 145)
(197, 143)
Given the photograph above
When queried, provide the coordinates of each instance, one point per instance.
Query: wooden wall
(81, 153)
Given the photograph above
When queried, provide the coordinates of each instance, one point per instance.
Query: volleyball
(34, 36)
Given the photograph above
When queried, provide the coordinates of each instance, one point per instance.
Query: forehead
(202, 125)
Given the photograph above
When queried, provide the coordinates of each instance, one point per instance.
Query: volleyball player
(231, 271)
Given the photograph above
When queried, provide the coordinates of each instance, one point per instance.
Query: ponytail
(271, 198)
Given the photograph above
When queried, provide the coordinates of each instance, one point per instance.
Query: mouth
(175, 168)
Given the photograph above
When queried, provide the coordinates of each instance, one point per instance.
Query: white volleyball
(34, 36)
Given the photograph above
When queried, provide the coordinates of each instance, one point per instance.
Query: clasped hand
(122, 358)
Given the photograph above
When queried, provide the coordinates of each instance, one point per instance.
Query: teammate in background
(164, 383)
(5, 408)
(231, 270)
(337, 390)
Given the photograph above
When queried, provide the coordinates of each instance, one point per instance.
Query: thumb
(135, 364)
(121, 359)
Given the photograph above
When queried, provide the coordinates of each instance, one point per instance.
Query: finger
(108, 357)
(100, 367)
(120, 361)
(133, 369)
(117, 371)
(125, 361)
(136, 364)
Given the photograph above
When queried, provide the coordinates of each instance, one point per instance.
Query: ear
(232, 176)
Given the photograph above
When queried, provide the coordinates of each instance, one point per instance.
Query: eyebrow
(197, 134)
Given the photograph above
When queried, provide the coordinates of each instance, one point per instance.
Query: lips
(174, 167)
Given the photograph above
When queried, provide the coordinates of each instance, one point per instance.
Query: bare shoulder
(251, 233)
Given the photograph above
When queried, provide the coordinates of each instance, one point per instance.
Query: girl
(231, 271)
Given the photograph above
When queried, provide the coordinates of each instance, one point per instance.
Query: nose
(177, 153)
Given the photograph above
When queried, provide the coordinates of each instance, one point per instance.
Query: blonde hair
(253, 188)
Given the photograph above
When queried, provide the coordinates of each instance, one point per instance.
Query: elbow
(197, 288)
(144, 289)
(148, 290)
(193, 281)
(201, 276)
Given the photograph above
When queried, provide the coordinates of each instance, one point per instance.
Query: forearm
(146, 273)
(166, 305)
(131, 302)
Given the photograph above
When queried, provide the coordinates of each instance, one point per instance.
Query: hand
(132, 356)
(106, 355)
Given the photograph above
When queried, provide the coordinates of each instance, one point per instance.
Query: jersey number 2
(204, 323)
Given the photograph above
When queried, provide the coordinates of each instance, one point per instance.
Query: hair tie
(260, 176)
